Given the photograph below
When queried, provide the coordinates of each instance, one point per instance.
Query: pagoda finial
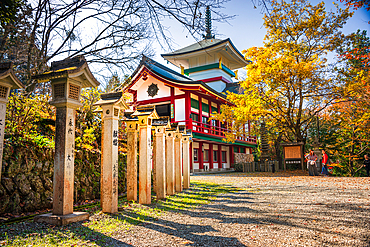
(208, 25)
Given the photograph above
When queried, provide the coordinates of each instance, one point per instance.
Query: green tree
(288, 81)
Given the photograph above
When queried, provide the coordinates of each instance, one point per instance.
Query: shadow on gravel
(194, 234)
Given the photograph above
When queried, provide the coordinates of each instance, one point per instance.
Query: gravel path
(281, 209)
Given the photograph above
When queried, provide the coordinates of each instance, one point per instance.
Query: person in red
(311, 164)
(325, 163)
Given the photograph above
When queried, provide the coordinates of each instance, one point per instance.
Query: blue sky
(246, 29)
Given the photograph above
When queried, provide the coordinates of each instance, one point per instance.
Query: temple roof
(207, 46)
(203, 44)
(162, 70)
(172, 76)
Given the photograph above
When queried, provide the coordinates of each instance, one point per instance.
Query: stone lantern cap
(75, 68)
(8, 76)
(188, 132)
(112, 99)
(127, 116)
(162, 122)
(145, 111)
(173, 127)
(181, 129)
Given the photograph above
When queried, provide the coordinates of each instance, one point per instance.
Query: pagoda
(190, 97)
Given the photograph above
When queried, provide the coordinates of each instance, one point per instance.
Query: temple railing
(212, 130)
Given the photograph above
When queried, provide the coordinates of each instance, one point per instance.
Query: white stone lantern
(67, 78)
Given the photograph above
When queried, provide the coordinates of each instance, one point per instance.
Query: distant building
(190, 97)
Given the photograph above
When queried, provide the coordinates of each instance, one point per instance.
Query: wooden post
(178, 162)
(132, 129)
(160, 160)
(144, 160)
(111, 103)
(66, 89)
(186, 160)
(170, 162)
(145, 117)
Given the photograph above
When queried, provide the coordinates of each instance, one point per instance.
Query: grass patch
(102, 228)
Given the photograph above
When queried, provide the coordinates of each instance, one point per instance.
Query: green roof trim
(215, 139)
(209, 66)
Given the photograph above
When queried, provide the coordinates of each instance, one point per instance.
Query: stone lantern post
(112, 104)
(145, 116)
(170, 161)
(67, 78)
(160, 125)
(186, 139)
(178, 161)
(8, 81)
(132, 131)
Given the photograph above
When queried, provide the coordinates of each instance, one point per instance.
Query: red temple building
(190, 97)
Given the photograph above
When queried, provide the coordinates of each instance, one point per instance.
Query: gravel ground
(281, 209)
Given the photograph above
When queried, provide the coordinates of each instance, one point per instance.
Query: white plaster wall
(211, 73)
(195, 144)
(179, 109)
(142, 90)
(206, 146)
(247, 151)
(215, 147)
(195, 165)
(205, 101)
(178, 92)
(194, 110)
(224, 148)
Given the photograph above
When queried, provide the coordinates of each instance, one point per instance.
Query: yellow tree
(288, 80)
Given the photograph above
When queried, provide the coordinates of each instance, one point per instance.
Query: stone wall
(243, 158)
(27, 178)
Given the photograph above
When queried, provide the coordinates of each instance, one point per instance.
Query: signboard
(292, 152)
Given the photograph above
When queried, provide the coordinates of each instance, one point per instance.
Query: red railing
(209, 129)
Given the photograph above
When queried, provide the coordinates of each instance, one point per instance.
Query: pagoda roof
(171, 77)
(8, 76)
(207, 46)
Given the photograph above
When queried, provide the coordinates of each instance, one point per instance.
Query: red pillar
(219, 122)
(200, 114)
(231, 156)
(200, 153)
(188, 110)
(219, 156)
(191, 152)
(172, 104)
(210, 156)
